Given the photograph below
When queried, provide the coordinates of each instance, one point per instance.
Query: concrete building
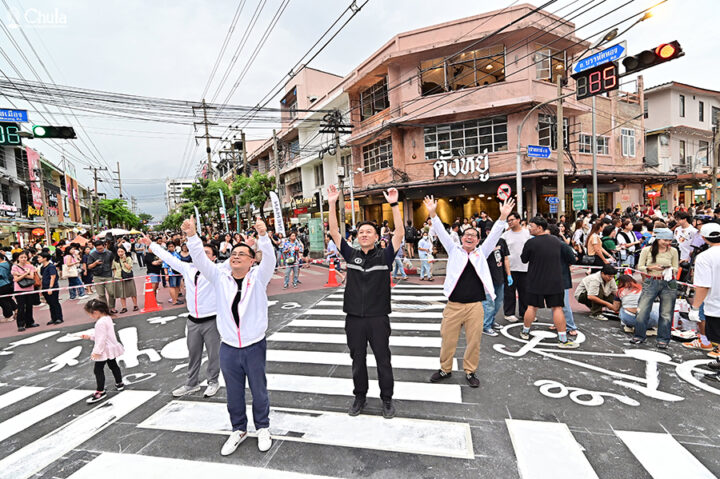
(173, 192)
(679, 121)
(436, 111)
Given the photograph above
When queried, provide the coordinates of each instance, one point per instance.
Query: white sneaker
(232, 443)
(264, 440)
(511, 319)
(185, 389)
(211, 389)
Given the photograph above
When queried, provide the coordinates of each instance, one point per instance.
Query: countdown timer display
(10, 134)
(601, 79)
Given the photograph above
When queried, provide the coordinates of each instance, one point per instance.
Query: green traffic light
(39, 131)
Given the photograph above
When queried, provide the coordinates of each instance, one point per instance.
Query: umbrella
(135, 232)
(114, 232)
(81, 240)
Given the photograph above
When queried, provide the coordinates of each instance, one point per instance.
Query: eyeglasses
(238, 255)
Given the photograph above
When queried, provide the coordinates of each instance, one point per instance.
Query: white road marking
(412, 436)
(37, 455)
(110, 465)
(403, 297)
(27, 340)
(395, 306)
(547, 450)
(339, 323)
(344, 359)
(18, 394)
(394, 314)
(410, 341)
(662, 456)
(34, 415)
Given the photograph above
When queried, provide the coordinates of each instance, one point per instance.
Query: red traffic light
(666, 51)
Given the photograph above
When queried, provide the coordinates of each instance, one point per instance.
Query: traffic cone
(150, 304)
(392, 285)
(628, 271)
(332, 280)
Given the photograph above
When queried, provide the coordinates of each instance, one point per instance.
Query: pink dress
(106, 344)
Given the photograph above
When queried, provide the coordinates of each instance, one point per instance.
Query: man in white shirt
(684, 234)
(454, 233)
(425, 252)
(707, 290)
(516, 237)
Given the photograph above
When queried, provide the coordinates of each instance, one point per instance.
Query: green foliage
(254, 189)
(172, 222)
(205, 194)
(116, 212)
(144, 220)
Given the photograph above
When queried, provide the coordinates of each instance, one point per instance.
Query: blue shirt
(5, 275)
(47, 271)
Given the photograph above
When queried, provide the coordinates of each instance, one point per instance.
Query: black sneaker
(21, 329)
(34, 325)
(439, 376)
(97, 396)
(662, 345)
(357, 406)
(715, 366)
(388, 409)
(472, 380)
(636, 340)
(120, 386)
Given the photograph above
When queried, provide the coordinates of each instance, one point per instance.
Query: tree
(254, 190)
(144, 220)
(116, 212)
(205, 194)
(172, 222)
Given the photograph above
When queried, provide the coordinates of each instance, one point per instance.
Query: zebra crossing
(310, 382)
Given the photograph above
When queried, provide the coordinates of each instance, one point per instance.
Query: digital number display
(10, 134)
(601, 79)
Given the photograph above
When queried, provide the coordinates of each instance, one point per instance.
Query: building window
(466, 138)
(585, 143)
(547, 134)
(378, 155)
(682, 105)
(549, 64)
(715, 115)
(702, 154)
(603, 145)
(645, 109)
(627, 137)
(319, 173)
(3, 164)
(6, 193)
(374, 99)
(682, 152)
(466, 70)
(292, 110)
(294, 149)
(701, 111)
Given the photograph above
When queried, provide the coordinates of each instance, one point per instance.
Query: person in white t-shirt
(684, 234)
(516, 237)
(707, 290)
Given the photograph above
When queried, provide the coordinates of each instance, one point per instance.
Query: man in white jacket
(242, 319)
(467, 284)
(201, 323)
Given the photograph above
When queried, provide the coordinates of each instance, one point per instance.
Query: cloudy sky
(167, 49)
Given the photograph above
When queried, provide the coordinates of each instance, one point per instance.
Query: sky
(168, 49)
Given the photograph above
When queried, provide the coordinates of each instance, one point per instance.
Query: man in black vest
(367, 301)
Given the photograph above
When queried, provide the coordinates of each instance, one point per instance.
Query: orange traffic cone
(392, 285)
(332, 280)
(150, 302)
(628, 271)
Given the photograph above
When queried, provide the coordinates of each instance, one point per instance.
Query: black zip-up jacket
(367, 288)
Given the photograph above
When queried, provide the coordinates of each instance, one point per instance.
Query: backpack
(410, 233)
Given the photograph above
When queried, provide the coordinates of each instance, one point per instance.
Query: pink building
(436, 110)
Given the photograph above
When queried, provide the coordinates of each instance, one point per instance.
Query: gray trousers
(199, 334)
(105, 288)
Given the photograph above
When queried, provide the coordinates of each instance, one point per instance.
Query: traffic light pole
(45, 206)
(716, 153)
(593, 143)
(560, 150)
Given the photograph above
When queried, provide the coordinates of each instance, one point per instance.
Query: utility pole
(716, 153)
(244, 154)
(593, 143)
(560, 150)
(41, 178)
(276, 159)
(133, 205)
(204, 106)
(334, 124)
(117, 172)
(96, 216)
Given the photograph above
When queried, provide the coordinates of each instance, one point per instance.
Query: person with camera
(291, 252)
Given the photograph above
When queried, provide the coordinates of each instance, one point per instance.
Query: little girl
(107, 348)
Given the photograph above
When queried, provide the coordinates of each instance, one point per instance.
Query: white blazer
(458, 257)
(252, 308)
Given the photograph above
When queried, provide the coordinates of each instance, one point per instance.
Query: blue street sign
(15, 116)
(538, 151)
(553, 208)
(553, 200)
(610, 54)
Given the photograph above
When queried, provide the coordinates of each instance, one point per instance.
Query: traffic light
(64, 132)
(649, 58)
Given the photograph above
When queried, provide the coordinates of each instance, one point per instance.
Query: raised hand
(391, 196)
(188, 226)
(333, 194)
(431, 205)
(145, 240)
(507, 208)
(260, 227)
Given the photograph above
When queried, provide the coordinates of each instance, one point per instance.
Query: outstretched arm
(174, 263)
(267, 263)
(497, 230)
(334, 229)
(437, 225)
(197, 253)
(399, 234)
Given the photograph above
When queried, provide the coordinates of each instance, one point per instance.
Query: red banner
(34, 165)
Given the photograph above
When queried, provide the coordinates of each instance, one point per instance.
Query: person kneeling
(597, 292)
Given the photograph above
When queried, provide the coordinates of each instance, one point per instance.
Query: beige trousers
(455, 316)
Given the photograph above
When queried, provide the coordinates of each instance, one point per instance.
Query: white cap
(710, 231)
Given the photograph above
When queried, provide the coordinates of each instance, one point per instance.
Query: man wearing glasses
(516, 237)
(242, 319)
(467, 284)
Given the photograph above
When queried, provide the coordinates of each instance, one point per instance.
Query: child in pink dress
(107, 348)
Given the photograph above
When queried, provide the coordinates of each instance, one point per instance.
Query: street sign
(664, 206)
(538, 151)
(19, 116)
(579, 198)
(553, 208)
(610, 54)
(553, 200)
(504, 192)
